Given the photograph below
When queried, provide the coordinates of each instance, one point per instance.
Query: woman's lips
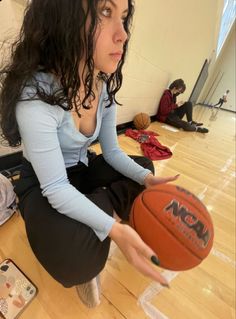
(116, 55)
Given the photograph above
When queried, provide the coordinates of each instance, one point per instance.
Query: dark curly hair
(53, 39)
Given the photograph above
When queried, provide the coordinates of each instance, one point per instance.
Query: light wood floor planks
(207, 167)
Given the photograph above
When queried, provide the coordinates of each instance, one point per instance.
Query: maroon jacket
(166, 105)
(150, 146)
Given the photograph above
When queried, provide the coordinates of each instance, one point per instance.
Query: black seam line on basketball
(194, 206)
(133, 220)
(182, 242)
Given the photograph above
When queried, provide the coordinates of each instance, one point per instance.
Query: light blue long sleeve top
(52, 143)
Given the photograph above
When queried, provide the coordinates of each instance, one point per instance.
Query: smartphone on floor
(16, 290)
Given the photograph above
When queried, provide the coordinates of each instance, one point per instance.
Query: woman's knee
(149, 165)
(189, 105)
(145, 163)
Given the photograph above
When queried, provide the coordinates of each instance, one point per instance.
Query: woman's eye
(106, 12)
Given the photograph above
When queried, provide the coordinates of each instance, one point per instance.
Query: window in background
(227, 20)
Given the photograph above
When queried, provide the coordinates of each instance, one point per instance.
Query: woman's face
(110, 35)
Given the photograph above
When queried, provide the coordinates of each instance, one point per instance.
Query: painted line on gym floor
(151, 291)
(201, 195)
(223, 257)
(154, 288)
(224, 183)
(228, 163)
(170, 128)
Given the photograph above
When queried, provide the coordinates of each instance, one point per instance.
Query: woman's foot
(202, 129)
(90, 292)
(196, 123)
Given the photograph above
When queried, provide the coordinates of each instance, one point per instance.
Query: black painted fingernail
(155, 260)
(165, 285)
(4, 267)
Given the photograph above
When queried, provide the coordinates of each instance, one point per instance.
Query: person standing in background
(222, 100)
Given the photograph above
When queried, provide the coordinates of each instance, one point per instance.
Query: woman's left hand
(152, 180)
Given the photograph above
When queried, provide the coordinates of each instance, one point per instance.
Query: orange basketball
(142, 121)
(175, 224)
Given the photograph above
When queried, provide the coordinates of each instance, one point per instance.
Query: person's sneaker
(196, 123)
(202, 130)
(90, 292)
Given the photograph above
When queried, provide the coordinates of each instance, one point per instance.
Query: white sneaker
(90, 292)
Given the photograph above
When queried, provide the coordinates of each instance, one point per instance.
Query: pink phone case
(16, 290)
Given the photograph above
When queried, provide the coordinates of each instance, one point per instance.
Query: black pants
(175, 117)
(220, 103)
(69, 250)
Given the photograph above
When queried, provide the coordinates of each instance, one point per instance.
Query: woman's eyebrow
(115, 6)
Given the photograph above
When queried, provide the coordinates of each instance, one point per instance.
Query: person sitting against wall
(172, 113)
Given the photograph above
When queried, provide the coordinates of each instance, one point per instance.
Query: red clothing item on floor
(150, 146)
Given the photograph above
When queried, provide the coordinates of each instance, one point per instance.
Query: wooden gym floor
(207, 167)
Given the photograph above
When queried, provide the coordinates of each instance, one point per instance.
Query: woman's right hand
(136, 251)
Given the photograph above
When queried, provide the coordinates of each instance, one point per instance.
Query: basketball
(141, 121)
(175, 224)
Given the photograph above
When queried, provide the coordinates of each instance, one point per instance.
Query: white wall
(170, 39)
(10, 18)
(11, 13)
(142, 88)
(222, 76)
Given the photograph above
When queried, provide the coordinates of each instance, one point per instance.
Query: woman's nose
(120, 34)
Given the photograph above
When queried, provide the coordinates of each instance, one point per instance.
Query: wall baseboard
(121, 128)
(208, 105)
